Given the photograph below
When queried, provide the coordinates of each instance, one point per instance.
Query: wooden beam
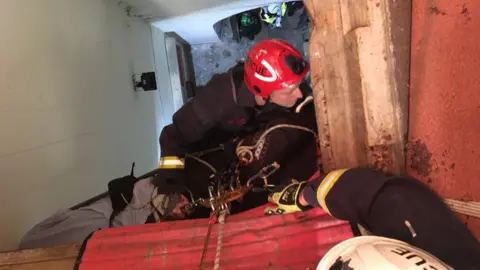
(359, 53)
(61, 257)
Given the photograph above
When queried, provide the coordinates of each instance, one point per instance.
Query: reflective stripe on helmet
(270, 69)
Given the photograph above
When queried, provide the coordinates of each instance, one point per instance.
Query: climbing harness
(221, 197)
(220, 209)
(263, 175)
(247, 153)
(244, 152)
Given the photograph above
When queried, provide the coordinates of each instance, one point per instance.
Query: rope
(205, 244)
(220, 218)
(307, 100)
(203, 162)
(208, 151)
(245, 153)
(221, 221)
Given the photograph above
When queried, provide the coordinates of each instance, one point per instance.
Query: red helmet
(273, 65)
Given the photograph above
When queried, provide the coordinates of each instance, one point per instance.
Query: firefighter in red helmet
(274, 71)
(271, 78)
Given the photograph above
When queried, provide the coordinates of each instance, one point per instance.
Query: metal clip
(212, 199)
(263, 175)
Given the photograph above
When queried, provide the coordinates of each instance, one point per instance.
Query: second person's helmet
(378, 253)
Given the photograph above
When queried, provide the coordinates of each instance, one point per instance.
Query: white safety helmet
(275, 8)
(378, 253)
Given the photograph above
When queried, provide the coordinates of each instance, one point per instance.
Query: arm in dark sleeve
(194, 119)
(346, 194)
(190, 123)
(396, 207)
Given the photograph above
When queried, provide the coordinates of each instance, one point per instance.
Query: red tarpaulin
(247, 241)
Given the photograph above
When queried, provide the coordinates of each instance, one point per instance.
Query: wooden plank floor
(61, 257)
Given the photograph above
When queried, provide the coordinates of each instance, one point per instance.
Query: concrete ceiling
(162, 9)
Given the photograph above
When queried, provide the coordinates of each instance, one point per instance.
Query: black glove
(164, 205)
(170, 181)
(120, 191)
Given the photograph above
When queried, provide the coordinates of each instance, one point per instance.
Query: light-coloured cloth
(73, 226)
(140, 208)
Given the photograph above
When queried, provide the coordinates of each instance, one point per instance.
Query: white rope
(221, 221)
(470, 208)
(203, 162)
(307, 100)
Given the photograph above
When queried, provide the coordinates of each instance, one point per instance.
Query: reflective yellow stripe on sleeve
(284, 8)
(171, 163)
(267, 18)
(326, 186)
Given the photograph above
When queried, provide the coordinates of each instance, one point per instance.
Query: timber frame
(360, 61)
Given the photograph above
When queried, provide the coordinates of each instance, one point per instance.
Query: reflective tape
(267, 18)
(284, 8)
(171, 163)
(326, 185)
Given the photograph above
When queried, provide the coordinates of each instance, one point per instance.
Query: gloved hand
(168, 206)
(287, 199)
(170, 181)
(120, 191)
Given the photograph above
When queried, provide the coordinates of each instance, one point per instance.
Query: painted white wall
(69, 119)
(166, 96)
(162, 9)
(197, 27)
